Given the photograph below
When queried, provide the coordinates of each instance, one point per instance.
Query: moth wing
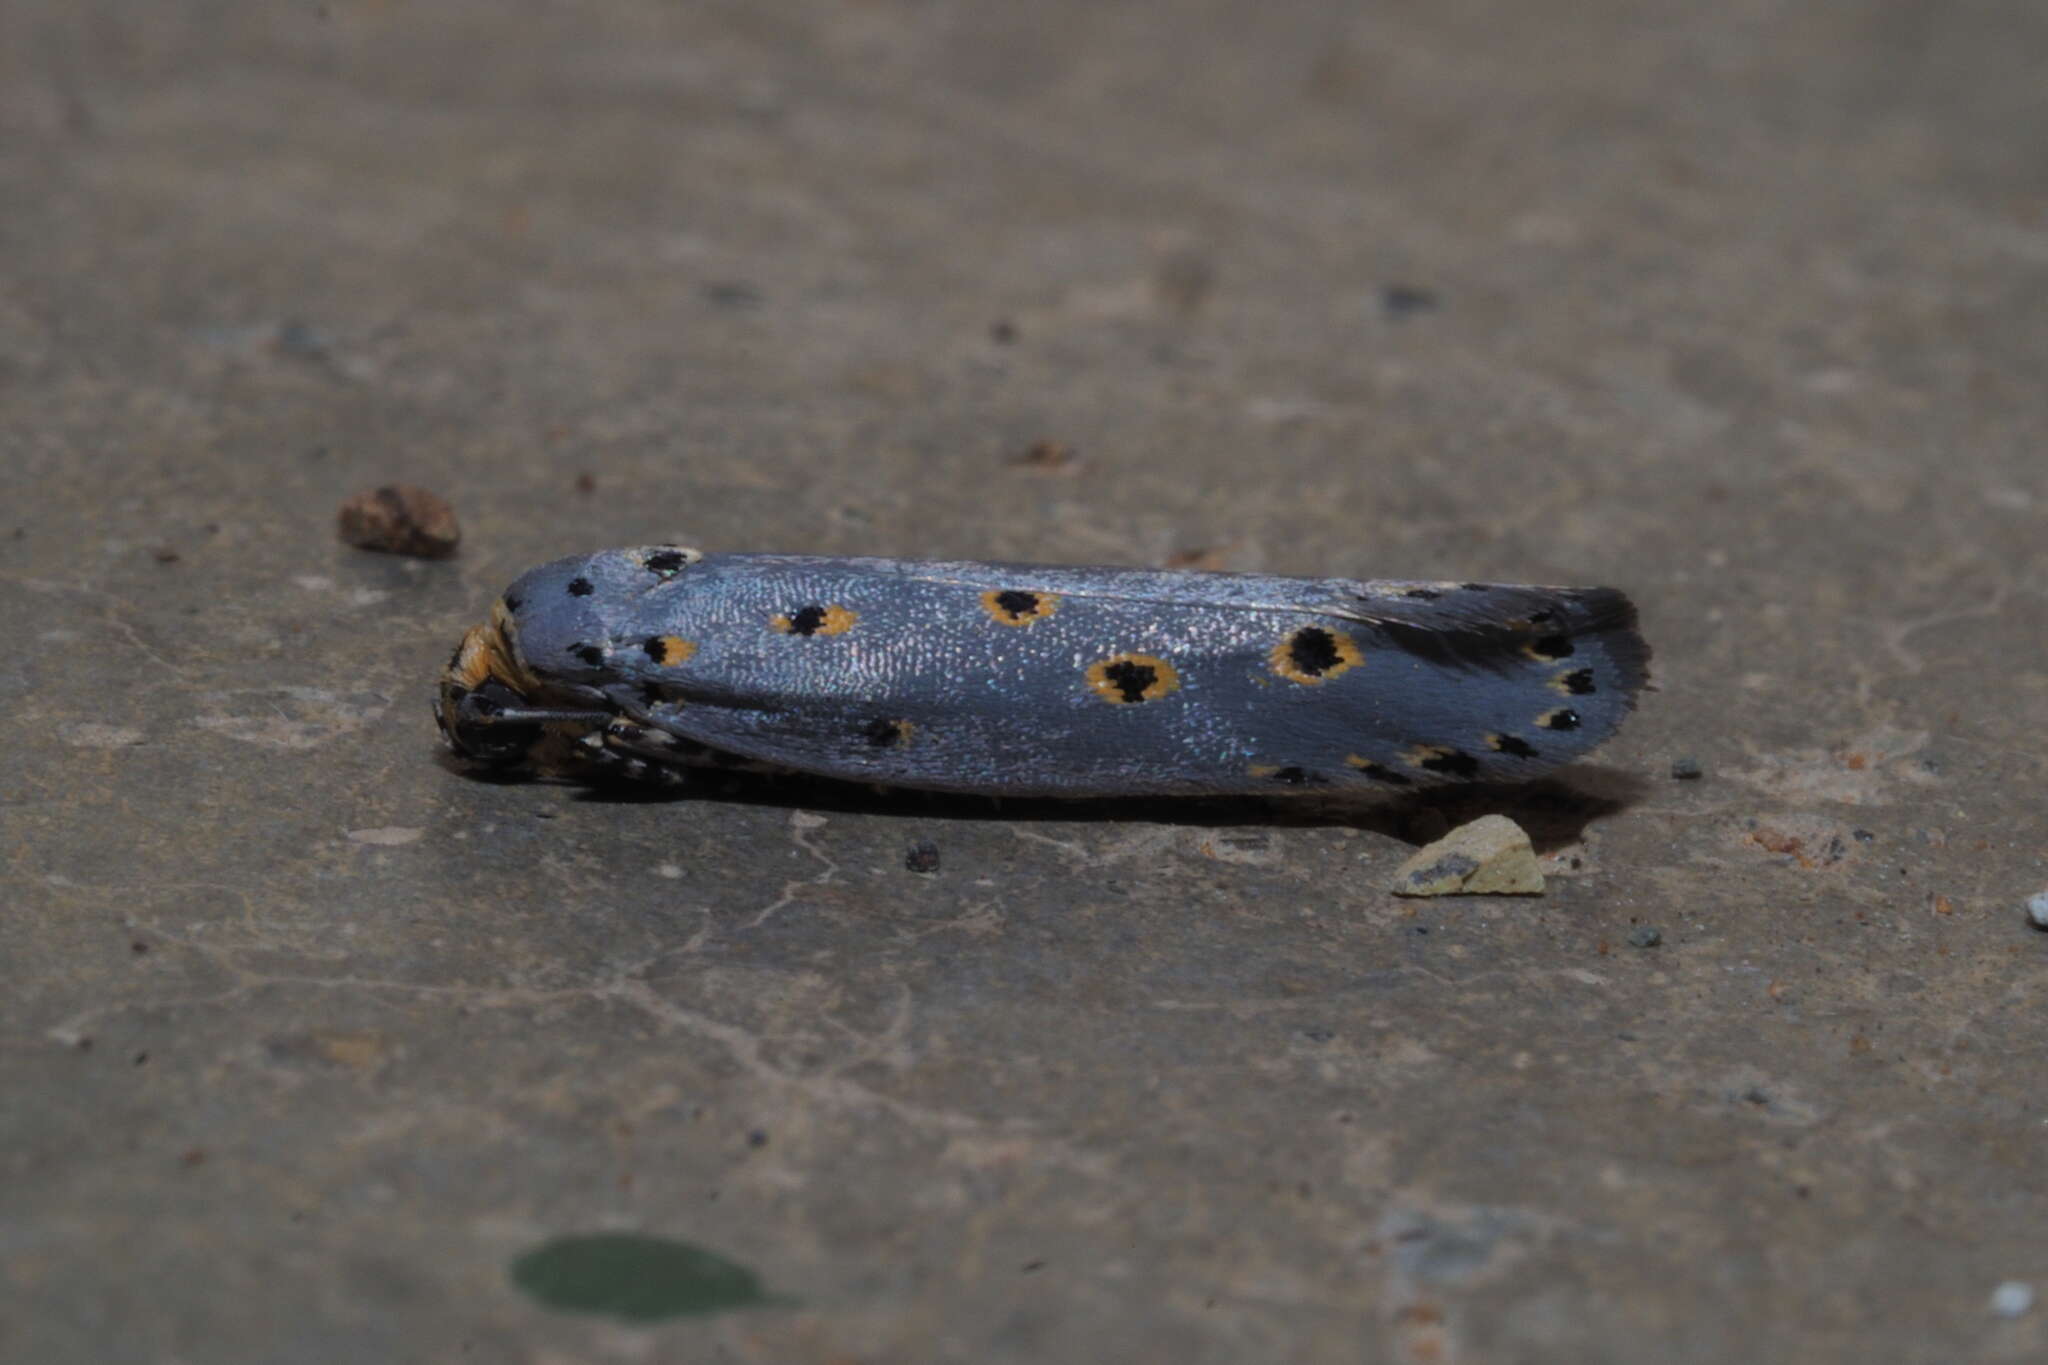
(1461, 681)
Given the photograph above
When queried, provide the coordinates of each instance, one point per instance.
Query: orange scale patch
(669, 650)
(817, 619)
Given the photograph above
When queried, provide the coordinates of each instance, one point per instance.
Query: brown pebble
(1182, 282)
(400, 519)
(1208, 559)
(1051, 457)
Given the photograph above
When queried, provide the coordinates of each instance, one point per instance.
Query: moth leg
(616, 753)
(651, 727)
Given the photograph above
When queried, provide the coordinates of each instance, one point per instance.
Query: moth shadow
(1554, 810)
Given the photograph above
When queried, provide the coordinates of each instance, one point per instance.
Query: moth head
(525, 684)
(492, 709)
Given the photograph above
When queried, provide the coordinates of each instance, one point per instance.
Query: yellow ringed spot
(1550, 648)
(666, 561)
(1374, 769)
(669, 650)
(816, 619)
(1122, 679)
(1016, 607)
(1286, 774)
(1312, 656)
(1577, 683)
(1439, 758)
(888, 734)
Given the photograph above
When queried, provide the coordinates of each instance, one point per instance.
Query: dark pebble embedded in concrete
(1406, 300)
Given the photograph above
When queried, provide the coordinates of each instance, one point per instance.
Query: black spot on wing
(581, 587)
(1131, 679)
(1452, 762)
(886, 734)
(1379, 772)
(1313, 650)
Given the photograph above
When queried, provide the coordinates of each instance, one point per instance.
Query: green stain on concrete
(635, 1278)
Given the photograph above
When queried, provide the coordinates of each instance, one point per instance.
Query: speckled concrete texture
(308, 1035)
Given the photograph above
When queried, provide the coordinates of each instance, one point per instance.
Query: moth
(1035, 680)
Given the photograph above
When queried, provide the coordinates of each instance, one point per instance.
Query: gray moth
(1035, 680)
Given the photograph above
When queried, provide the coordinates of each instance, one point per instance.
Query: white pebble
(2037, 909)
(2014, 1297)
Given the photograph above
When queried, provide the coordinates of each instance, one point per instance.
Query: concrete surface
(307, 1036)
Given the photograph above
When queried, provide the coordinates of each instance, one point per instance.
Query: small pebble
(1405, 300)
(1645, 936)
(922, 856)
(1687, 769)
(1183, 281)
(400, 519)
(1048, 456)
(300, 340)
(2037, 909)
(2012, 1299)
(731, 294)
(1489, 857)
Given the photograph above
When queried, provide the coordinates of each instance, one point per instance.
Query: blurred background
(308, 1038)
